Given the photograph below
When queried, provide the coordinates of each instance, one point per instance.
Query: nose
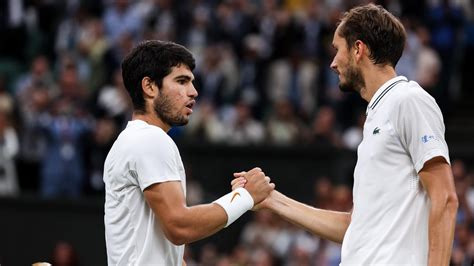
(334, 65)
(193, 92)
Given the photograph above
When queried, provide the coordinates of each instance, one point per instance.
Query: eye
(182, 81)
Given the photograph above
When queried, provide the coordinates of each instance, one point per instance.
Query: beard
(163, 108)
(354, 80)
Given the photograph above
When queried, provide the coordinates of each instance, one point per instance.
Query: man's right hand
(241, 181)
(257, 184)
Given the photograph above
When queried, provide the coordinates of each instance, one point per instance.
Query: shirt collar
(383, 90)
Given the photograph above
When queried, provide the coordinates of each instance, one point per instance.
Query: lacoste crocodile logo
(376, 131)
(233, 196)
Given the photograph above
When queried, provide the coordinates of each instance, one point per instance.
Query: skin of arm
(182, 224)
(437, 178)
(327, 224)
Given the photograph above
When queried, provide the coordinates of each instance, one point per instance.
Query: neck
(151, 120)
(374, 78)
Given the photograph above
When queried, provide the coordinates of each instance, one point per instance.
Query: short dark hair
(381, 31)
(154, 59)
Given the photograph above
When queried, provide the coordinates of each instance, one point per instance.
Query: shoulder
(412, 103)
(145, 139)
(412, 94)
(411, 90)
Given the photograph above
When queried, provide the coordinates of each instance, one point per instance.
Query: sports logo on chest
(376, 131)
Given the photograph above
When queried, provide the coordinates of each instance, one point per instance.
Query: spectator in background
(8, 150)
(13, 29)
(251, 70)
(322, 193)
(32, 139)
(197, 37)
(467, 67)
(121, 18)
(352, 136)
(71, 30)
(93, 46)
(62, 167)
(209, 255)
(324, 132)
(261, 257)
(64, 254)
(262, 231)
(97, 145)
(283, 126)
(445, 20)
(65, 127)
(206, 124)
(243, 128)
(293, 79)
(313, 30)
(161, 21)
(112, 101)
(462, 182)
(210, 78)
(39, 74)
(428, 66)
(407, 64)
(7, 102)
(462, 247)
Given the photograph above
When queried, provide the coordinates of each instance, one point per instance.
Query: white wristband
(235, 204)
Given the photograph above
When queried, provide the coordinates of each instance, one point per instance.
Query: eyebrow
(186, 77)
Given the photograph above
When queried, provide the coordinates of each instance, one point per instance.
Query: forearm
(436, 177)
(441, 231)
(327, 224)
(195, 223)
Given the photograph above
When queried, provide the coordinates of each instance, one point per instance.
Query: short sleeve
(419, 123)
(156, 159)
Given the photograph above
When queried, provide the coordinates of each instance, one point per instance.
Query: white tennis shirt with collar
(142, 155)
(404, 129)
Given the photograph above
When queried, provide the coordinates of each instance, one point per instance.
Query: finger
(255, 170)
(267, 178)
(240, 174)
(237, 180)
(238, 184)
(272, 185)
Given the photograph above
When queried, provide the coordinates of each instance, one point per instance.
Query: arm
(437, 179)
(182, 224)
(327, 224)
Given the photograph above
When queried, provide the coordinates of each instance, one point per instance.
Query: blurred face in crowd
(174, 102)
(350, 75)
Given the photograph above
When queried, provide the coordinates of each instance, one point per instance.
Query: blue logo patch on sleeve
(427, 138)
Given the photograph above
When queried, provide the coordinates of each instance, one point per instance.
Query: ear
(360, 49)
(149, 88)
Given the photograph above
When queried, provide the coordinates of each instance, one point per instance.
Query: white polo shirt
(141, 156)
(389, 226)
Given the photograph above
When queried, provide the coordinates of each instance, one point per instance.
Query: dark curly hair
(153, 59)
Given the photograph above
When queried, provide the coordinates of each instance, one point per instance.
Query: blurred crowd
(263, 78)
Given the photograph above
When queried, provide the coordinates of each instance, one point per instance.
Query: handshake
(251, 190)
(257, 184)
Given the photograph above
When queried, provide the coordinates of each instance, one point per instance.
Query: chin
(344, 87)
(182, 122)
